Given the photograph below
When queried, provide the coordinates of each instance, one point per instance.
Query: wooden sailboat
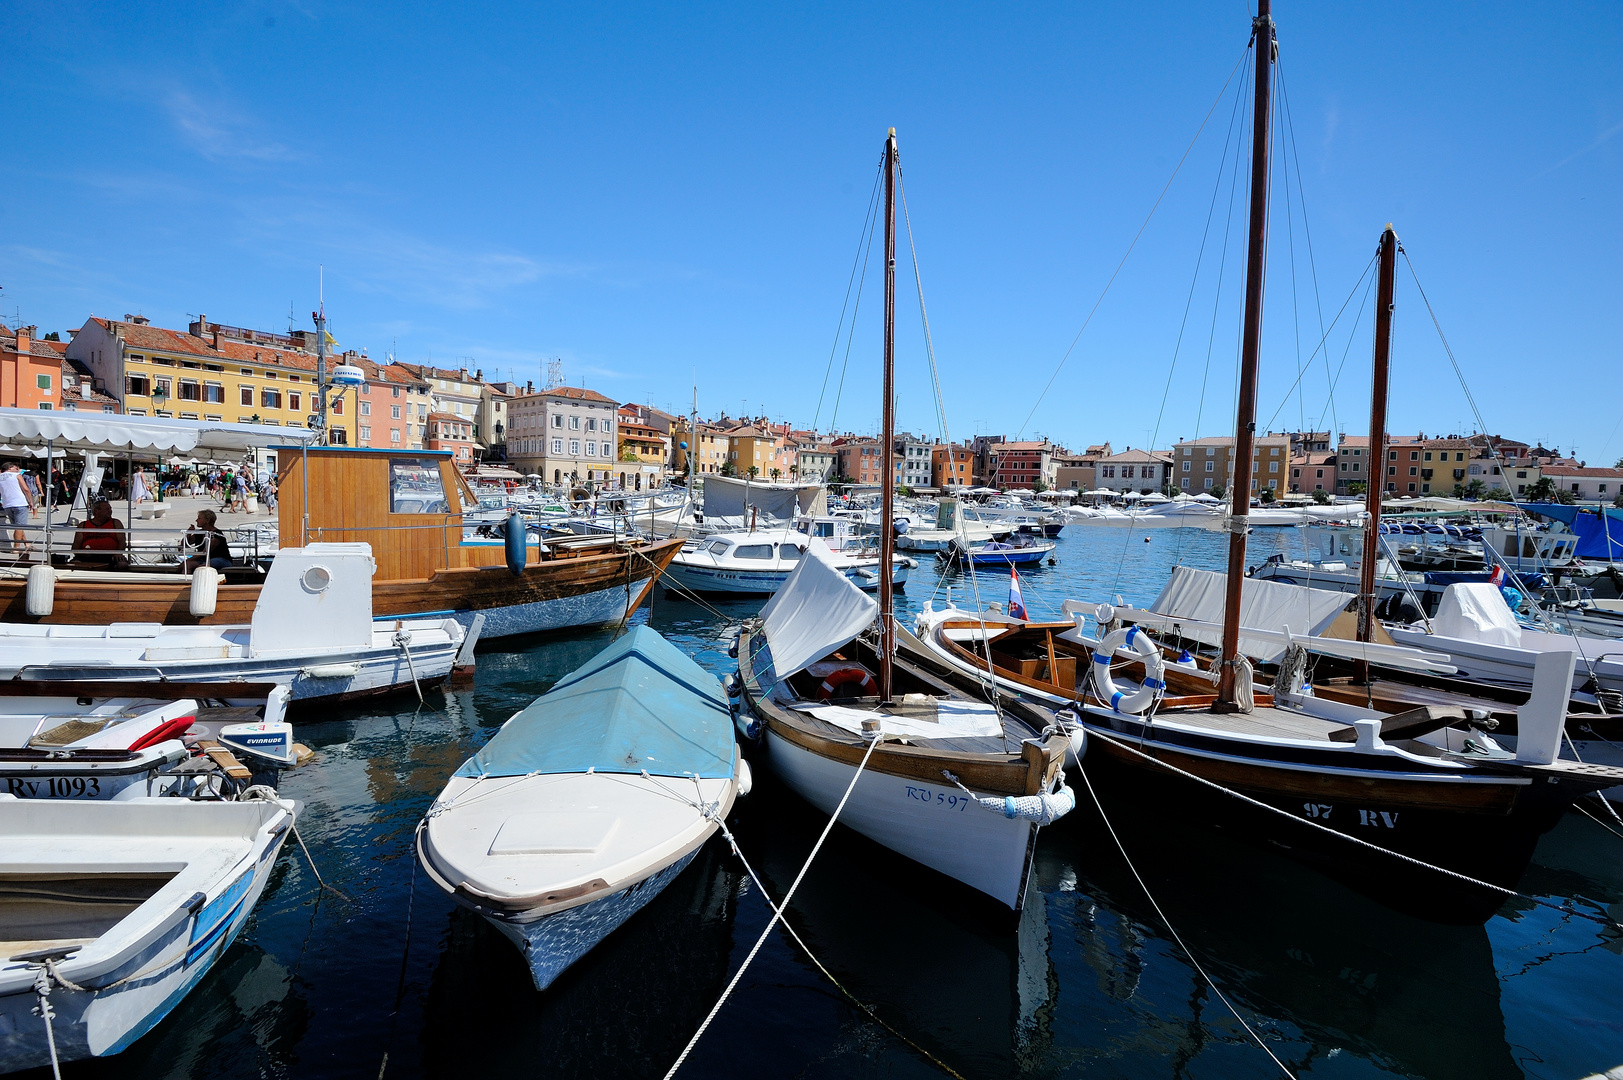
(405, 505)
(928, 771)
(1422, 783)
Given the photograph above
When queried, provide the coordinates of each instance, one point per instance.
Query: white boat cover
(954, 720)
(815, 612)
(96, 431)
(729, 500)
(1266, 605)
(1475, 611)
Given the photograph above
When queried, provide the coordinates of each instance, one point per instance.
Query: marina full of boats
(1398, 710)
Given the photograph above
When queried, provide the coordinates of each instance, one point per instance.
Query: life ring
(1143, 648)
(842, 676)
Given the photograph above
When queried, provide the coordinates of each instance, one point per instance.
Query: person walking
(239, 493)
(16, 505)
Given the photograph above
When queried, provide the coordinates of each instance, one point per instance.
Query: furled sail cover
(639, 704)
(1476, 611)
(816, 611)
(1266, 605)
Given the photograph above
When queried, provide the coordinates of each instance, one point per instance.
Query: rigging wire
(863, 237)
(1128, 253)
(1307, 233)
(1352, 330)
(851, 332)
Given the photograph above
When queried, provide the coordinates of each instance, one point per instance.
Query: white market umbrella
(1156, 498)
(1207, 497)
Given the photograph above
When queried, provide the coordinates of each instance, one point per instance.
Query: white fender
(41, 599)
(205, 591)
(1142, 648)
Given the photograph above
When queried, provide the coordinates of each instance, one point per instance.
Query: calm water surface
(394, 980)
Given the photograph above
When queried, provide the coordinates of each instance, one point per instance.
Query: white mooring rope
(777, 911)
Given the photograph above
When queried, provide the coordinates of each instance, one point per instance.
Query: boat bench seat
(1409, 724)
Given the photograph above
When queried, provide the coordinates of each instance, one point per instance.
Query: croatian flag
(1017, 603)
(1498, 576)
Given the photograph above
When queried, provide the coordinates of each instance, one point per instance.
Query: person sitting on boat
(100, 542)
(206, 543)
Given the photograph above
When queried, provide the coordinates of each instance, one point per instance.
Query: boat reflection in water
(625, 1009)
(1316, 968)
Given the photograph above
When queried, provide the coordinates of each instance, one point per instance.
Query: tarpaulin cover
(1476, 612)
(1598, 537)
(639, 704)
(728, 500)
(1266, 605)
(815, 612)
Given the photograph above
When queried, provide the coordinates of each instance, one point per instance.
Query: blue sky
(656, 192)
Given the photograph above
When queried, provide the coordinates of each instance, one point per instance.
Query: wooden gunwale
(1027, 772)
(459, 588)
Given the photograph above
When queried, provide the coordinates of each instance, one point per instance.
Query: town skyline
(582, 199)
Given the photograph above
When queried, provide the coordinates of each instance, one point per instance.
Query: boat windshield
(753, 551)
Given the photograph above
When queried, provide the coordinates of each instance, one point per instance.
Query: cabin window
(415, 486)
(718, 547)
(753, 551)
(789, 553)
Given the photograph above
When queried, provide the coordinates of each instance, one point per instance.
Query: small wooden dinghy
(588, 802)
(110, 913)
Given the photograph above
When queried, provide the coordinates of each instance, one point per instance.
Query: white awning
(815, 612)
(160, 435)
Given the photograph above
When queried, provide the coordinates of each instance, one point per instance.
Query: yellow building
(214, 372)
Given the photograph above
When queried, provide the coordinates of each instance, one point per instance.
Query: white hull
(102, 1022)
(586, 610)
(708, 579)
(552, 943)
(308, 678)
(932, 824)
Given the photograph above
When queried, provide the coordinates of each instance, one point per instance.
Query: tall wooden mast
(1375, 476)
(887, 484)
(1245, 422)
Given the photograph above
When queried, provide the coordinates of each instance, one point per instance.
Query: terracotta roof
(574, 393)
(1130, 456)
(1020, 446)
(1582, 471)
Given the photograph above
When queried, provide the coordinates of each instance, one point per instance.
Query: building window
(294, 400)
(394, 435)
(246, 396)
(608, 451)
(190, 391)
(338, 406)
(557, 420)
(394, 412)
(138, 385)
(366, 433)
(1210, 466)
(270, 399)
(245, 371)
(574, 423)
(557, 446)
(366, 408)
(43, 382)
(574, 448)
(214, 393)
(46, 405)
(591, 424)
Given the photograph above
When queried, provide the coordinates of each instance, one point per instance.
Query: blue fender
(515, 544)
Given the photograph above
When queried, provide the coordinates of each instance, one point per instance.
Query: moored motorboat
(312, 631)
(588, 802)
(110, 913)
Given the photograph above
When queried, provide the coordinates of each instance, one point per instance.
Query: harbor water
(380, 975)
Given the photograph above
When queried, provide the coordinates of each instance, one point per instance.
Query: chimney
(138, 320)
(200, 328)
(216, 335)
(464, 374)
(529, 387)
(25, 339)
